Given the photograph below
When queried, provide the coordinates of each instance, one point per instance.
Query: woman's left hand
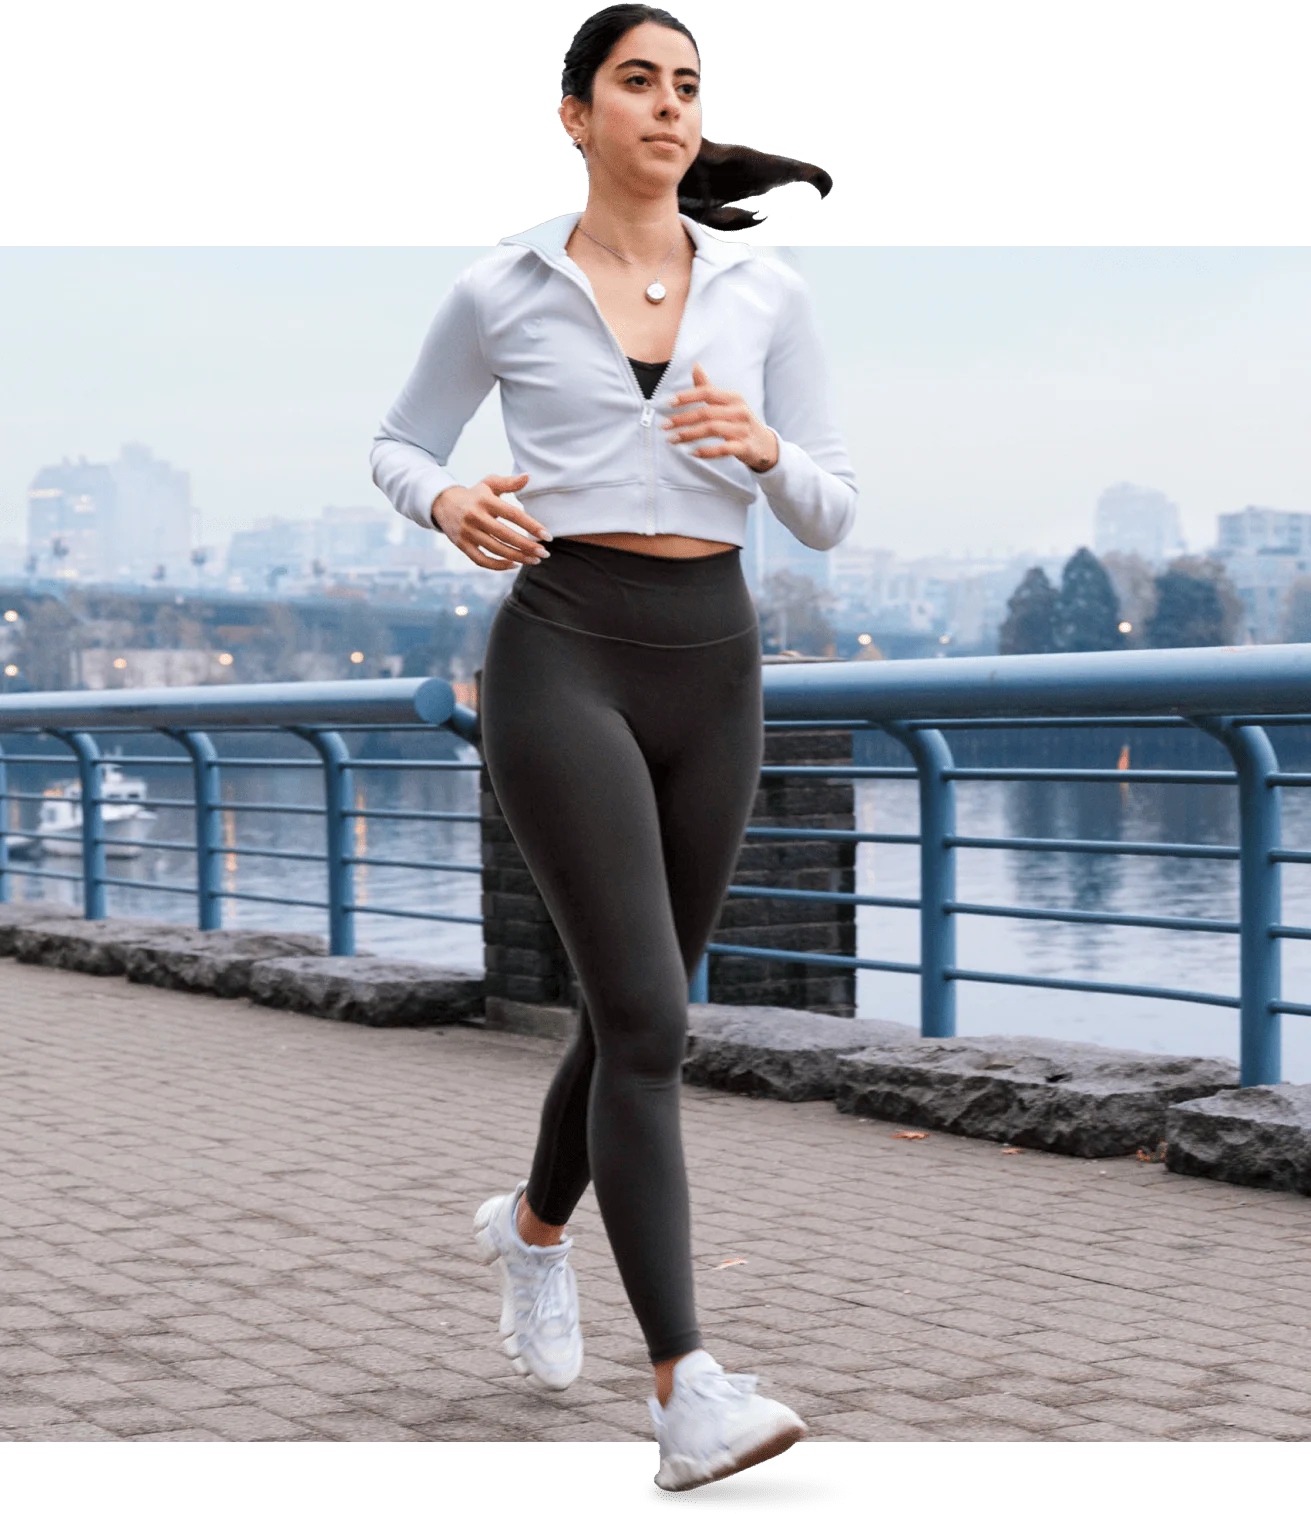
(725, 415)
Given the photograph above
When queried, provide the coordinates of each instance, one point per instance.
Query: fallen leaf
(1011, 1151)
(733, 1261)
(1144, 1155)
(910, 1135)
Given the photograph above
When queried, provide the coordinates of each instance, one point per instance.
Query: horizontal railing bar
(267, 762)
(1096, 917)
(157, 846)
(819, 959)
(27, 835)
(1075, 985)
(443, 815)
(1288, 780)
(40, 872)
(414, 914)
(155, 888)
(1285, 1007)
(269, 809)
(54, 757)
(1055, 722)
(425, 867)
(1089, 775)
(427, 764)
(1283, 854)
(822, 896)
(273, 899)
(822, 770)
(1096, 848)
(107, 760)
(259, 851)
(1291, 932)
(814, 833)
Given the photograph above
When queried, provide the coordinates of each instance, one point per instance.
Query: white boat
(127, 819)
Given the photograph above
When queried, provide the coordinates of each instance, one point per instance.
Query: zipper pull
(647, 412)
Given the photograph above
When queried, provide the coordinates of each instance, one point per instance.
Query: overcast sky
(988, 395)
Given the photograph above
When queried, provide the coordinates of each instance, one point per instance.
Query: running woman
(657, 383)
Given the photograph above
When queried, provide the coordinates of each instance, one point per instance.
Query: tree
(1296, 624)
(1196, 606)
(1087, 612)
(1135, 587)
(1030, 624)
(793, 615)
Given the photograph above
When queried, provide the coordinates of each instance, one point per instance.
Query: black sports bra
(648, 375)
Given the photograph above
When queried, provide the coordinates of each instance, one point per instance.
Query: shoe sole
(489, 1253)
(782, 1441)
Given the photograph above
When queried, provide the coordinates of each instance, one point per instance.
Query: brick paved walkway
(225, 1222)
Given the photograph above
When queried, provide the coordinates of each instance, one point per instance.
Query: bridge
(233, 1222)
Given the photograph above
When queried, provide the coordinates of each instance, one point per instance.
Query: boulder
(1260, 1137)
(772, 1053)
(84, 946)
(1082, 1100)
(16, 917)
(211, 961)
(367, 990)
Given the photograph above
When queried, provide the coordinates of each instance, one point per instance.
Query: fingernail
(546, 536)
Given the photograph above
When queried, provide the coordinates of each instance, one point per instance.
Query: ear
(573, 116)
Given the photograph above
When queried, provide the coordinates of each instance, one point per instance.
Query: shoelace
(546, 1293)
(722, 1385)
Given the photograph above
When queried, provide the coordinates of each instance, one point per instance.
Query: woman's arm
(450, 380)
(812, 486)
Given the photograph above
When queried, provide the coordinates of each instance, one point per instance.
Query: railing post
(4, 832)
(86, 751)
(699, 989)
(1259, 892)
(209, 840)
(339, 797)
(932, 758)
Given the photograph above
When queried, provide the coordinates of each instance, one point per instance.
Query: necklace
(655, 291)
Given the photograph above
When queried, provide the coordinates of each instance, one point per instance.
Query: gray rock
(367, 990)
(84, 946)
(16, 917)
(772, 1053)
(551, 1022)
(1086, 1101)
(211, 961)
(1260, 1137)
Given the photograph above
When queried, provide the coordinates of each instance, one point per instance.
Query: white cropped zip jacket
(579, 425)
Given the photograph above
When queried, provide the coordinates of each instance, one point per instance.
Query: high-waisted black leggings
(622, 729)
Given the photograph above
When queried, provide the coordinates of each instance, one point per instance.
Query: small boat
(127, 819)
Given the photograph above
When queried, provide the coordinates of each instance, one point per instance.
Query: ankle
(535, 1232)
(664, 1378)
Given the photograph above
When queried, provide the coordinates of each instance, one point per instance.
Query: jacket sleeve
(418, 434)
(812, 486)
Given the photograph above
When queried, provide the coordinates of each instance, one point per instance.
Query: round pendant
(655, 291)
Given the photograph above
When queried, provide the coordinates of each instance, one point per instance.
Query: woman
(621, 698)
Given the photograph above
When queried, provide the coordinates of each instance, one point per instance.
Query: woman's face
(644, 122)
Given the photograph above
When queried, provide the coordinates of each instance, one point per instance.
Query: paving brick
(301, 1268)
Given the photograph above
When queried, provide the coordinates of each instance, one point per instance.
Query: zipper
(647, 413)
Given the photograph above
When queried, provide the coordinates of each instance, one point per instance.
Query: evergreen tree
(1030, 624)
(1189, 612)
(1087, 612)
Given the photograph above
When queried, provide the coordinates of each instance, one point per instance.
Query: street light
(1125, 627)
(462, 609)
(225, 659)
(11, 616)
(11, 670)
(864, 638)
(120, 662)
(357, 657)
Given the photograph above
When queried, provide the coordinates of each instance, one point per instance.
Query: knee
(649, 1041)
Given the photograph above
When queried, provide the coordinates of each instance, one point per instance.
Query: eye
(636, 79)
(690, 90)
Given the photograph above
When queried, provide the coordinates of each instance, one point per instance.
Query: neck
(643, 228)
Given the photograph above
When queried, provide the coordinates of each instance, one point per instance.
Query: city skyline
(988, 395)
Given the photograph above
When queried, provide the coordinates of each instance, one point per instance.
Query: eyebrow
(655, 68)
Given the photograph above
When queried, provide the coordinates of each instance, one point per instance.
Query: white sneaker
(715, 1423)
(539, 1296)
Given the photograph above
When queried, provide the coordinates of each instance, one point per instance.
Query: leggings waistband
(637, 597)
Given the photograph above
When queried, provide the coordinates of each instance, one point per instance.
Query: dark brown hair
(722, 171)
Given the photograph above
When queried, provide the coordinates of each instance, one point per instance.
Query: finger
(730, 432)
(489, 541)
(507, 511)
(699, 375)
(727, 450)
(500, 483)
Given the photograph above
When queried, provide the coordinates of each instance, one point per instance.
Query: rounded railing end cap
(434, 701)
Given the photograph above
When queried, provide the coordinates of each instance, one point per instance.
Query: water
(1156, 886)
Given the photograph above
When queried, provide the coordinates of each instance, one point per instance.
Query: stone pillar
(528, 973)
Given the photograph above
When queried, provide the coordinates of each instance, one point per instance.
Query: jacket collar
(548, 240)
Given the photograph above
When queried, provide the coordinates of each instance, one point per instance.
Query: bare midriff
(657, 546)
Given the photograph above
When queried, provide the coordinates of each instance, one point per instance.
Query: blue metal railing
(1231, 694)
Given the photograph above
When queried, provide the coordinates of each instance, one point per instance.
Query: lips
(668, 141)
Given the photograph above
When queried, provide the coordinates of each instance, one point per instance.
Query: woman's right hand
(479, 522)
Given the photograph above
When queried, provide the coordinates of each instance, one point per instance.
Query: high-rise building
(125, 519)
(1264, 551)
(71, 516)
(1133, 519)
